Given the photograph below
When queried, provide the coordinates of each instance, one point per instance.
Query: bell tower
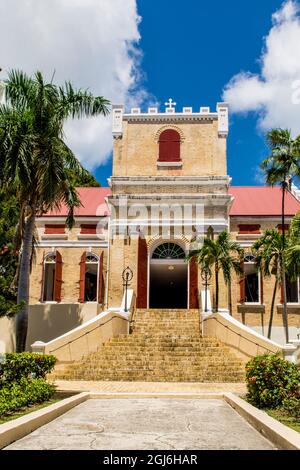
(169, 185)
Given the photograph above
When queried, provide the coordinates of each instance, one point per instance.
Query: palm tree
(268, 253)
(280, 167)
(293, 248)
(219, 254)
(35, 160)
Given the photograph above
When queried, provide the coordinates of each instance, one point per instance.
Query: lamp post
(127, 276)
(206, 276)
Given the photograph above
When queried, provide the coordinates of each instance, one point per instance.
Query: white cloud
(273, 93)
(93, 43)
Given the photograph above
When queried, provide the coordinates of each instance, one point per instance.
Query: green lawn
(293, 423)
(29, 409)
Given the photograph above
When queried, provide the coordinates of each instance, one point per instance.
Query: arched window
(52, 277)
(168, 251)
(169, 146)
(91, 278)
(251, 280)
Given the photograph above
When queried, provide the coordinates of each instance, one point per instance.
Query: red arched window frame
(169, 146)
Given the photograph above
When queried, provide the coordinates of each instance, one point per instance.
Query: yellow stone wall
(203, 152)
(70, 272)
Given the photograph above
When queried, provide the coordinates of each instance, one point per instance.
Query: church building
(169, 189)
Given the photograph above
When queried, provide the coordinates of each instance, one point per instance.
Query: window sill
(54, 236)
(90, 236)
(169, 164)
(291, 308)
(251, 308)
(248, 236)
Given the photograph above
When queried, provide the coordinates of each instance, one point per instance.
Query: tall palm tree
(268, 253)
(220, 254)
(35, 160)
(280, 167)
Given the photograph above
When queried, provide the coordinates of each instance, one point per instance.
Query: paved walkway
(148, 387)
(157, 424)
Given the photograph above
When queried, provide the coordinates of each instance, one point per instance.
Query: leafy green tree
(35, 160)
(220, 254)
(9, 214)
(280, 167)
(268, 253)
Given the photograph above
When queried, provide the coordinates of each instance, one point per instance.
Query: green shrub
(16, 366)
(271, 379)
(24, 393)
(291, 406)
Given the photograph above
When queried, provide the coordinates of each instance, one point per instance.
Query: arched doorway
(168, 277)
(91, 277)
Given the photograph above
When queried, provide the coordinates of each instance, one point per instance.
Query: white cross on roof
(170, 103)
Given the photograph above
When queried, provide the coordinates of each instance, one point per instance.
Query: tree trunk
(217, 286)
(23, 284)
(272, 309)
(284, 313)
(229, 298)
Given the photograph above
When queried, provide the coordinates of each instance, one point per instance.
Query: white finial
(170, 103)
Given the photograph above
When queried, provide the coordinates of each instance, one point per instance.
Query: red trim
(242, 285)
(58, 277)
(101, 280)
(42, 279)
(261, 288)
(142, 274)
(249, 228)
(88, 229)
(82, 277)
(279, 227)
(194, 300)
(54, 229)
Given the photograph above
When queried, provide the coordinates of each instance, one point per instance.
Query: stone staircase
(165, 346)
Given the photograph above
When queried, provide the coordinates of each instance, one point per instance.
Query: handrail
(240, 335)
(86, 333)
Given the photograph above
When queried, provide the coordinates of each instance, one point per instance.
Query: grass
(29, 409)
(293, 423)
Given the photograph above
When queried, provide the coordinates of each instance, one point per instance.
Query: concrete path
(156, 424)
(149, 387)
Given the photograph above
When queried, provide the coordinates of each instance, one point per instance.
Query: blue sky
(191, 50)
(142, 51)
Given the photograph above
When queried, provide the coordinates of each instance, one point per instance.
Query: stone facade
(142, 187)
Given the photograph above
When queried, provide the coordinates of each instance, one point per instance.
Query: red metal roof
(93, 204)
(261, 201)
(248, 201)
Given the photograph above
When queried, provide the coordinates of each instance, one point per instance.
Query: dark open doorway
(168, 285)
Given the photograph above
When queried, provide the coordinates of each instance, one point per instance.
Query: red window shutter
(286, 227)
(54, 229)
(169, 146)
(142, 274)
(101, 280)
(42, 278)
(249, 229)
(194, 300)
(58, 277)
(82, 277)
(261, 288)
(88, 229)
(242, 285)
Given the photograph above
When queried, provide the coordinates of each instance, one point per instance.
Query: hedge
(271, 380)
(17, 366)
(24, 393)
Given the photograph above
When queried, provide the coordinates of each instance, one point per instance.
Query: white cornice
(161, 117)
(169, 180)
